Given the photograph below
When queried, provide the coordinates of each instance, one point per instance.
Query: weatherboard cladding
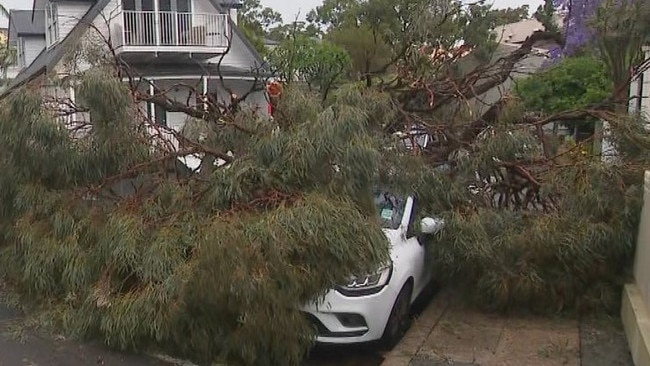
(50, 57)
(185, 69)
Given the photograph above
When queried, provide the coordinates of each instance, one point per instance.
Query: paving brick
(420, 329)
(557, 346)
(424, 361)
(464, 335)
(464, 344)
(397, 361)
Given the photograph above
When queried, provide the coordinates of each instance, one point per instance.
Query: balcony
(142, 35)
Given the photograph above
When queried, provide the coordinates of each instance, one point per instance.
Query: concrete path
(446, 333)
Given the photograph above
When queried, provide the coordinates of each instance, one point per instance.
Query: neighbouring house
(166, 42)
(26, 36)
(635, 308)
(639, 102)
(509, 38)
(640, 87)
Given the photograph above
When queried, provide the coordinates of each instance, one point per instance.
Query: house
(640, 87)
(27, 36)
(166, 42)
(509, 38)
(516, 33)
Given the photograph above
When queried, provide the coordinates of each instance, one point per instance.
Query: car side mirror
(429, 225)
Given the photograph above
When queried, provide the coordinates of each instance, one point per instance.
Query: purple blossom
(554, 54)
(577, 31)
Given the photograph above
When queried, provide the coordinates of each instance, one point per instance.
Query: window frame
(639, 101)
(20, 50)
(51, 24)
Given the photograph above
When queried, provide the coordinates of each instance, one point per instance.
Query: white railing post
(227, 37)
(156, 22)
(204, 80)
(176, 27)
(167, 28)
(123, 25)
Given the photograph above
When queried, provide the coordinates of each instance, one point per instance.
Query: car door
(423, 268)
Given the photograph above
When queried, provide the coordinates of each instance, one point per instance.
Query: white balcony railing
(169, 29)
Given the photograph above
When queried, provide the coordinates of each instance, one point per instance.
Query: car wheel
(399, 320)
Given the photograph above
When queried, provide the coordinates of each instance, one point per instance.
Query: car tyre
(399, 320)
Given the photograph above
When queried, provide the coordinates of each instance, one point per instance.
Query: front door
(175, 21)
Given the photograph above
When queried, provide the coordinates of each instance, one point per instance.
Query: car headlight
(369, 284)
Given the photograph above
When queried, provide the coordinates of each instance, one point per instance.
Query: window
(390, 209)
(639, 94)
(51, 24)
(20, 46)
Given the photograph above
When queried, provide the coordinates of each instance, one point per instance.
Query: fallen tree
(209, 266)
(108, 232)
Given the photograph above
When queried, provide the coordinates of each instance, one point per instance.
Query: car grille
(322, 331)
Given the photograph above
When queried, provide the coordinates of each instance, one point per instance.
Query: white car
(377, 306)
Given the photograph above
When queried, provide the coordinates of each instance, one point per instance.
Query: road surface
(34, 350)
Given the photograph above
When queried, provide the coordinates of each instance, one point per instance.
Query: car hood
(392, 236)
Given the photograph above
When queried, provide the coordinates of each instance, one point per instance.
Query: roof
(516, 33)
(232, 4)
(22, 24)
(50, 57)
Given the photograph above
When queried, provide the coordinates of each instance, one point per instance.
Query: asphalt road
(33, 350)
(345, 356)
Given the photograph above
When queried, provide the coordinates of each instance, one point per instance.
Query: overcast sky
(288, 8)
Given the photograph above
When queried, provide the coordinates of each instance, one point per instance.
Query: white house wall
(69, 14)
(176, 120)
(111, 14)
(203, 6)
(33, 47)
(238, 56)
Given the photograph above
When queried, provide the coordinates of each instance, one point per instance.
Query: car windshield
(420, 139)
(390, 209)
